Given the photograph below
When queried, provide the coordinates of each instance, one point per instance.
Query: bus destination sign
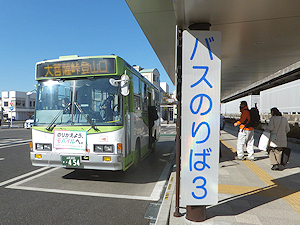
(79, 67)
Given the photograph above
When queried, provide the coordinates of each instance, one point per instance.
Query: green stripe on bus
(102, 129)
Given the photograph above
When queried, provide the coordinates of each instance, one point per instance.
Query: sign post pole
(11, 109)
(178, 122)
(200, 127)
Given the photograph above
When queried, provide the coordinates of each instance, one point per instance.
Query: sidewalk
(249, 192)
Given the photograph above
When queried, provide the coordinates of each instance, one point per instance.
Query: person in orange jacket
(246, 134)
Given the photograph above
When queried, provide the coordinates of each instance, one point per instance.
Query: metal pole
(178, 122)
(10, 118)
(168, 117)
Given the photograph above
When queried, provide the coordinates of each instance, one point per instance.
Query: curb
(165, 208)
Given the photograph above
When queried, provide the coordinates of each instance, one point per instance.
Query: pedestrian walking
(222, 125)
(222, 122)
(246, 133)
(278, 127)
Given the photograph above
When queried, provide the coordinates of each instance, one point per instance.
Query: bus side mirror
(114, 82)
(124, 84)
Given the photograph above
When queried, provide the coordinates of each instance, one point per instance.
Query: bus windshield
(88, 101)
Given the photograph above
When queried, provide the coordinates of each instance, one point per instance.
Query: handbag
(285, 156)
(264, 141)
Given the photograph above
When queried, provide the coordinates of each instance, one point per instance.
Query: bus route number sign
(70, 161)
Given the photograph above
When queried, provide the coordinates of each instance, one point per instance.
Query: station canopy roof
(260, 38)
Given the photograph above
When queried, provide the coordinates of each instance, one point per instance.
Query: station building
(285, 97)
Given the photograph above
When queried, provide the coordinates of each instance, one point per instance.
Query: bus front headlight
(98, 148)
(103, 148)
(43, 147)
(108, 148)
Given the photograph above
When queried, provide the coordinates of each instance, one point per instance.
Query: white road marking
(160, 184)
(8, 145)
(8, 140)
(23, 176)
(155, 195)
(82, 193)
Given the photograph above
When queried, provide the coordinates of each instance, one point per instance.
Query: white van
(28, 123)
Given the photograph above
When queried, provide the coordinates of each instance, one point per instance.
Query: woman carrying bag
(279, 127)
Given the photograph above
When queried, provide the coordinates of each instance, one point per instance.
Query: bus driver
(107, 111)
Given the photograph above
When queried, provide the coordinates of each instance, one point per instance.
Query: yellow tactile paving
(225, 189)
(259, 172)
(244, 190)
(273, 188)
(293, 200)
(228, 146)
(233, 189)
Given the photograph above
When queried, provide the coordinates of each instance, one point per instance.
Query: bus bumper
(87, 161)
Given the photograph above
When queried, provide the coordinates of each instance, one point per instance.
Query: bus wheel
(137, 152)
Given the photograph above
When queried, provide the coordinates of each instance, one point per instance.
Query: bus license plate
(70, 161)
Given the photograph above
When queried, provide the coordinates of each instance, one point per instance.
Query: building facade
(285, 97)
(165, 87)
(17, 105)
(151, 74)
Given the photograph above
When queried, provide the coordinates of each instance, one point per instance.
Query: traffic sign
(11, 108)
(11, 104)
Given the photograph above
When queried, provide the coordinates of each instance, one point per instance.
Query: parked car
(28, 123)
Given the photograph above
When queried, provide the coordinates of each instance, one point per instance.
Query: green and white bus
(93, 113)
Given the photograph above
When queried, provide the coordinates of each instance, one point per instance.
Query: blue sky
(34, 30)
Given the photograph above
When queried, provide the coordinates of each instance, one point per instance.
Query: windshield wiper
(87, 119)
(50, 126)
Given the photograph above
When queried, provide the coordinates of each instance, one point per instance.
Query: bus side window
(136, 93)
(144, 97)
(137, 102)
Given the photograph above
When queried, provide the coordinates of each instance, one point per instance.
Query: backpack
(254, 117)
